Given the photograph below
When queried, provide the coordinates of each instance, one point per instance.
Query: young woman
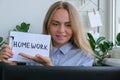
(69, 45)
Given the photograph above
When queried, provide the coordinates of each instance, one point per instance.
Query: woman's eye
(68, 25)
(55, 24)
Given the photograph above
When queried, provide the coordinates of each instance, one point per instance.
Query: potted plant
(100, 47)
(1, 42)
(115, 52)
(23, 27)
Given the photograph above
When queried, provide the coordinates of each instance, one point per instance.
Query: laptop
(8, 72)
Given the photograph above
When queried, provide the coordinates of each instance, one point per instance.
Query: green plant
(1, 41)
(118, 39)
(23, 27)
(100, 47)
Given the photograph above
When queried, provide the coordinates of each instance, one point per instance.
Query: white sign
(28, 43)
(95, 19)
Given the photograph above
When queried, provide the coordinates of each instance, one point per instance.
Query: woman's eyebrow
(58, 21)
(55, 21)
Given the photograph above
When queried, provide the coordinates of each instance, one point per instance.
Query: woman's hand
(38, 58)
(5, 54)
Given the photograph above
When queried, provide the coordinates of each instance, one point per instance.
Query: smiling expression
(60, 28)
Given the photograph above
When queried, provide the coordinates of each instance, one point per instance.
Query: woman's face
(60, 28)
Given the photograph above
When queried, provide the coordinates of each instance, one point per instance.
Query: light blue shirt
(70, 55)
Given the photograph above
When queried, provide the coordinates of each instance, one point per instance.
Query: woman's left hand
(38, 58)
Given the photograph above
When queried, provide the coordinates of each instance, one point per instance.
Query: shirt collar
(65, 48)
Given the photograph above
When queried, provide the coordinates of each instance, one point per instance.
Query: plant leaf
(1, 39)
(23, 27)
(100, 39)
(18, 28)
(106, 45)
(91, 37)
(118, 37)
(102, 48)
(92, 45)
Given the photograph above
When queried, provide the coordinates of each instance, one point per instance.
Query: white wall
(104, 30)
(117, 16)
(14, 12)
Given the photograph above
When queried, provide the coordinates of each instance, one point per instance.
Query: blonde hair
(78, 36)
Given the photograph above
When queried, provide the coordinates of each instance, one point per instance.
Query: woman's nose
(62, 28)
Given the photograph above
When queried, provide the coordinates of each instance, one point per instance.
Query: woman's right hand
(5, 54)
